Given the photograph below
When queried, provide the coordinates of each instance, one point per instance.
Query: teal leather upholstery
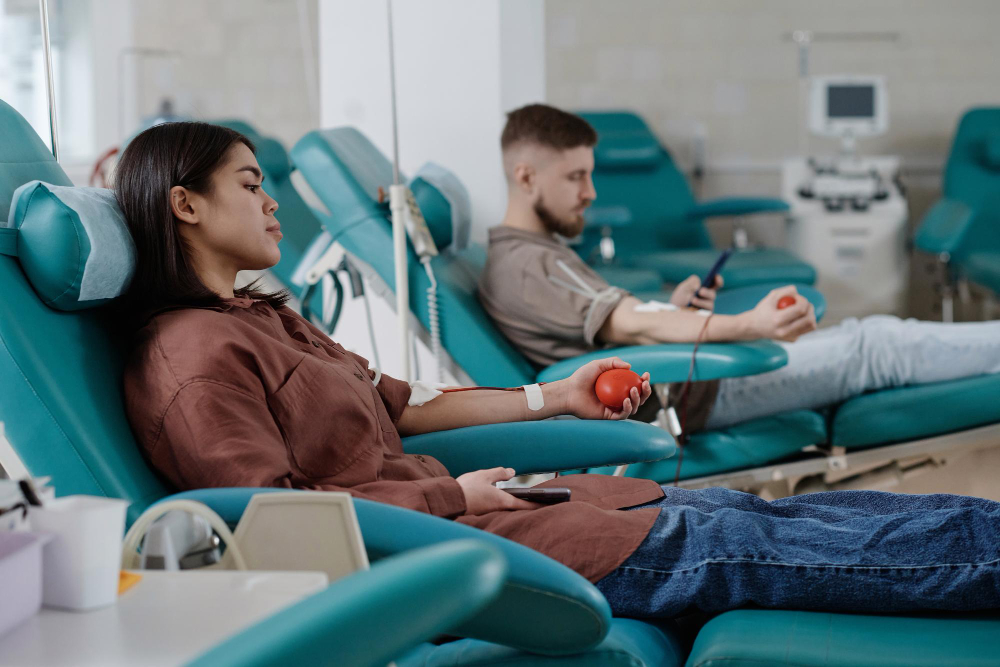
(751, 444)
(586, 443)
(372, 617)
(983, 268)
(667, 233)
(670, 363)
(25, 158)
(60, 371)
(919, 411)
(629, 643)
(943, 227)
(754, 638)
(544, 607)
(967, 218)
(734, 206)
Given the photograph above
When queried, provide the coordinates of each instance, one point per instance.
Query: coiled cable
(433, 317)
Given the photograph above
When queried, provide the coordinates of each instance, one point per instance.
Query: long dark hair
(164, 156)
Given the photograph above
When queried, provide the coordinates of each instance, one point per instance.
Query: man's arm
(625, 326)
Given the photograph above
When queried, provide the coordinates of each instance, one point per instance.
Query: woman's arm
(572, 396)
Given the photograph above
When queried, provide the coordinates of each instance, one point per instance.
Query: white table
(168, 618)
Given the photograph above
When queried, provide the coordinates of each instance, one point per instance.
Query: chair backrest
(346, 171)
(972, 176)
(60, 372)
(973, 171)
(635, 172)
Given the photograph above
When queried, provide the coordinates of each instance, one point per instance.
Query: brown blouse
(246, 395)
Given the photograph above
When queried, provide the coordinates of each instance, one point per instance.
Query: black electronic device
(546, 496)
(709, 279)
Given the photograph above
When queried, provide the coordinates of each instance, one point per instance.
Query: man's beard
(554, 225)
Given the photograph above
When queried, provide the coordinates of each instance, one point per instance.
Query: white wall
(459, 66)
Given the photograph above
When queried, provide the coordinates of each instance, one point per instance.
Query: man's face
(564, 189)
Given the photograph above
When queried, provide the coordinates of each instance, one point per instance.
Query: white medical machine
(848, 213)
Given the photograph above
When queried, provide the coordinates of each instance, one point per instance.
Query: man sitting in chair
(552, 306)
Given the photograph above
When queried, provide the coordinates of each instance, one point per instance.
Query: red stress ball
(785, 302)
(613, 386)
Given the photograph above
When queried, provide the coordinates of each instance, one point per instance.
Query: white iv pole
(397, 205)
(43, 8)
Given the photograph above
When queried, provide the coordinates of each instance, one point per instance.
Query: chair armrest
(543, 446)
(372, 617)
(730, 206)
(740, 299)
(670, 363)
(943, 227)
(544, 607)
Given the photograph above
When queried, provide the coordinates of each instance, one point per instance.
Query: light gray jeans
(831, 365)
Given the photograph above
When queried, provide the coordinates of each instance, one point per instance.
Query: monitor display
(850, 101)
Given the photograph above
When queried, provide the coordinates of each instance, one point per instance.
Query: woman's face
(236, 225)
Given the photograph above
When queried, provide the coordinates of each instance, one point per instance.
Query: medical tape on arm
(422, 392)
(606, 295)
(658, 306)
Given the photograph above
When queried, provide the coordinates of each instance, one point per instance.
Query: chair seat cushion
(773, 637)
(747, 445)
(915, 412)
(631, 279)
(629, 643)
(983, 268)
(746, 267)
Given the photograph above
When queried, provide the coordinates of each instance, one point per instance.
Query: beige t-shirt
(550, 305)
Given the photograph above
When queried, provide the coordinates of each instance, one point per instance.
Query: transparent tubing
(43, 9)
(397, 202)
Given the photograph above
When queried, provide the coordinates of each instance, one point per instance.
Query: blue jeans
(859, 551)
(829, 366)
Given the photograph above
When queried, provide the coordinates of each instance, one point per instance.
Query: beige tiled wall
(726, 69)
(237, 58)
(728, 65)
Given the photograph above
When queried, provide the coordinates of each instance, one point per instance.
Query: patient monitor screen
(850, 101)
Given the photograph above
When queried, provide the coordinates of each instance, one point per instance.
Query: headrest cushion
(445, 205)
(73, 244)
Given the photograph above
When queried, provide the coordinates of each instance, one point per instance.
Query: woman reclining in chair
(231, 388)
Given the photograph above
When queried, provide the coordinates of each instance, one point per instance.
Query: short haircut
(546, 126)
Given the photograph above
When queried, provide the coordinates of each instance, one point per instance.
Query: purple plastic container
(20, 577)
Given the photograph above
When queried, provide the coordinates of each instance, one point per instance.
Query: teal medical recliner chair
(60, 369)
(963, 228)
(412, 598)
(645, 219)
(345, 171)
